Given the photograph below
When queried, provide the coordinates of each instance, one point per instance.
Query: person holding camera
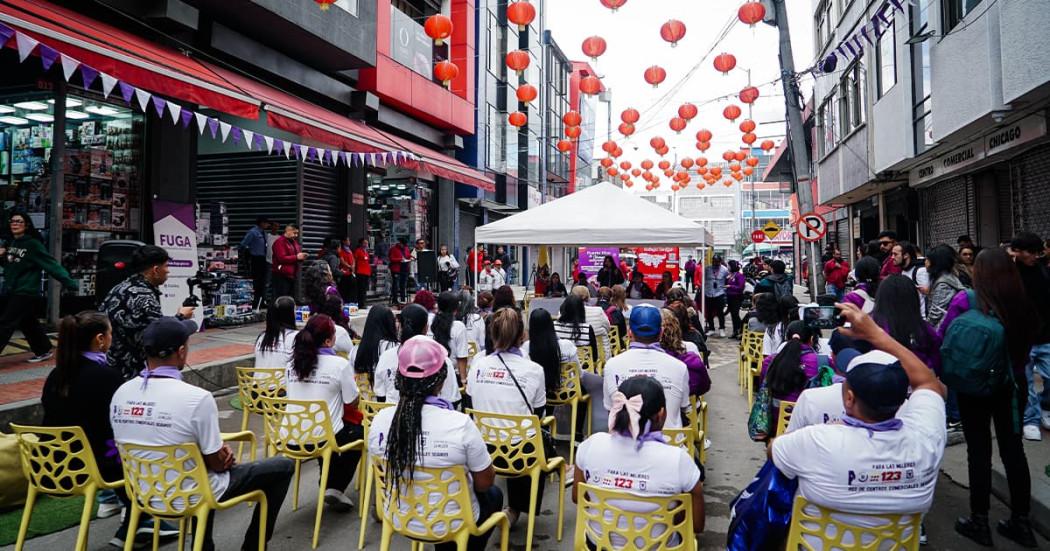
(135, 303)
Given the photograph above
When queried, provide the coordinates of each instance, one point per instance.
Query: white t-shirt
(166, 413)
(671, 373)
(344, 345)
(691, 346)
(383, 347)
(771, 340)
(888, 472)
(386, 376)
(817, 406)
(921, 278)
(490, 280)
(450, 439)
(612, 461)
(281, 355)
(457, 343)
(492, 389)
(564, 331)
(566, 351)
(476, 331)
(332, 382)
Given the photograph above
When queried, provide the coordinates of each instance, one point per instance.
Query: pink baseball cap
(420, 357)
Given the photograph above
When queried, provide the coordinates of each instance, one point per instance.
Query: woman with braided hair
(452, 438)
(413, 323)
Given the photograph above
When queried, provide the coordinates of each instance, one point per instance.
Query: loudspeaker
(114, 265)
(426, 263)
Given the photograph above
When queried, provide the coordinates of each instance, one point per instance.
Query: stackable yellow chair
(685, 439)
(615, 340)
(516, 446)
(173, 484)
(784, 417)
(570, 393)
(472, 349)
(57, 461)
(754, 365)
(631, 530)
(364, 387)
(741, 359)
(698, 421)
(602, 357)
(812, 523)
(587, 359)
(253, 385)
(302, 430)
(435, 524)
(368, 409)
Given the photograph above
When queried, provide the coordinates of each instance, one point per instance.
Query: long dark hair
(467, 312)
(441, 327)
(766, 309)
(29, 226)
(897, 311)
(503, 298)
(867, 271)
(785, 374)
(414, 319)
(543, 347)
(319, 329)
(787, 311)
(405, 440)
(573, 314)
(1000, 290)
(333, 308)
(653, 400)
(317, 278)
(380, 325)
(942, 261)
(75, 334)
(280, 317)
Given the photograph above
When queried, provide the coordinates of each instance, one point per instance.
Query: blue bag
(761, 515)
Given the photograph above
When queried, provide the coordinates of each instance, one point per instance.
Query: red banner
(654, 261)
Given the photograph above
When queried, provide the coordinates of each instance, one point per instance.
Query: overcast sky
(634, 43)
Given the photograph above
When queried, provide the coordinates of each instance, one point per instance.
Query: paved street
(732, 460)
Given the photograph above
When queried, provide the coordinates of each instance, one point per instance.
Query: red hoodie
(286, 257)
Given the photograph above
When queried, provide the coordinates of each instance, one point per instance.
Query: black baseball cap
(165, 335)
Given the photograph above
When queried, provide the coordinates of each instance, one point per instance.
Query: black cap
(164, 336)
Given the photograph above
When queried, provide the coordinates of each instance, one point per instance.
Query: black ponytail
(447, 304)
(308, 342)
(75, 334)
(414, 320)
(280, 317)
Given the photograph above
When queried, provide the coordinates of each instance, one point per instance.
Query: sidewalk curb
(213, 376)
(1040, 513)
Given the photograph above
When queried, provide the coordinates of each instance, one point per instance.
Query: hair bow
(633, 405)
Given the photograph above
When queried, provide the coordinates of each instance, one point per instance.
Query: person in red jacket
(399, 256)
(363, 268)
(475, 258)
(887, 241)
(287, 256)
(836, 271)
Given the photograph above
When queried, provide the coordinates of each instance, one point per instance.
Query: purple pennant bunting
(213, 126)
(48, 55)
(237, 135)
(327, 157)
(278, 146)
(258, 142)
(126, 91)
(5, 34)
(186, 117)
(311, 154)
(355, 159)
(159, 104)
(87, 73)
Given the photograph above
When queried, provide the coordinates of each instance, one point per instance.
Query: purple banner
(592, 258)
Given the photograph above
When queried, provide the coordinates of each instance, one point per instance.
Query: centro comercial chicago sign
(999, 140)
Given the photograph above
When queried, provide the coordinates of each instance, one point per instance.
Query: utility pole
(796, 134)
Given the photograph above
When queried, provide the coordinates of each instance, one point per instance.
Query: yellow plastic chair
(587, 361)
(472, 349)
(570, 393)
(615, 340)
(515, 443)
(368, 409)
(698, 421)
(171, 482)
(302, 430)
(364, 387)
(58, 461)
(741, 359)
(602, 357)
(435, 524)
(685, 439)
(811, 523)
(631, 530)
(784, 417)
(253, 385)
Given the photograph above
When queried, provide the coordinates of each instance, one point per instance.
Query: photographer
(133, 304)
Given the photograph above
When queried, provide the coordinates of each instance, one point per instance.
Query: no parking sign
(811, 227)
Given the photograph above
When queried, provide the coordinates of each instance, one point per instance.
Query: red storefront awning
(127, 57)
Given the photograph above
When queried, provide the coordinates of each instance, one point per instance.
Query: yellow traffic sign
(771, 229)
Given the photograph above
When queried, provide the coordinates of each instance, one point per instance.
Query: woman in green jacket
(23, 258)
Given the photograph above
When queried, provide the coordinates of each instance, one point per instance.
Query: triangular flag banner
(269, 144)
(302, 151)
(26, 44)
(249, 138)
(126, 91)
(202, 122)
(48, 55)
(327, 157)
(288, 151)
(69, 65)
(108, 83)
(5, 34)
(311, 154)
(143, 98)
(159, 104)
(278, 144)
(258, 143)
(346, 157)
(236, 134)
(88, 74)
(175, 111)
(224, 128)
(213, 127)
(187, 116)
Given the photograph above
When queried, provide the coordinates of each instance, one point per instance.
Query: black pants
(489, 502)
(20, 313)
(399, 286)
(716, 308)
(272, 476)
(347, 287)
(518, 491)
(361, 289)
(734, 313)
(283, 286)
(259, 271)
(689, 281)
(344, 465)
(470, 277)
(1005, 414)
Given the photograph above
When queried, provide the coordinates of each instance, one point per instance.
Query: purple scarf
(162, 372)
(514, 350)
(325, 352)
(97, 357)
(641, 346)
(881, 426)
(646, 436)
(439, 402)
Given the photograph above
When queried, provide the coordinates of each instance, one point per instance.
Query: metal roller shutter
(1031, 200)
(950, 211)
(252, 185)
(320, 206)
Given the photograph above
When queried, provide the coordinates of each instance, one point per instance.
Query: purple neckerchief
(642, 346)
(514, 350)
(325, 352)
(163, 372)
(439, 402)
(111, 451)
(97, 357)
(881, 426)
(647, 436)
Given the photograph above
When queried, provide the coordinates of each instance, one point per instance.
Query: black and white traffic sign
(811, 227)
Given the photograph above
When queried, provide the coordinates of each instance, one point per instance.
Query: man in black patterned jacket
(133, 304)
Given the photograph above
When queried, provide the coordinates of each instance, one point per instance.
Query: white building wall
(1025, 48)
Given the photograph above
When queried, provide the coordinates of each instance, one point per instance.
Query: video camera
(207, 281)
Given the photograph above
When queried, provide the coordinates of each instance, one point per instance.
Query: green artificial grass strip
(50, 515)
(235, 403)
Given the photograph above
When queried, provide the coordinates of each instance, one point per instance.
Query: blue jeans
(1038, 363)
(833, 290)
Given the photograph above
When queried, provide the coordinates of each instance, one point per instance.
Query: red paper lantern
(738, 176)
(704, 135)
(669, 173)
(573, 118)
(663, 151)
(626, 165)
(672, 31)
(618, 152)
(740, 155)
(703, 146)
(626, 128)
(728, 155)
(677, 124)
(747, 125)
(647, 164)
(687, 163)
(324, 4)
(751, 13)
(518, 60)
(527, 93)
(725, 62)
(439, 28)
(606, 162)
(748, 171)
(629, 184)
(609, 146)
(636, 172)
(752, 161)
(734, 167)
(573, 132)
(749, 95)
(518, 119)
(590, 85)
(655, 75)
(614, 4)
(731, 112)
(657, 142)
(700, 186)
(687, 111)
(630, 115)
(664, 165)
(625, 177)
(682, 175)
(767, 145)
(446, 72)
(521, 14)
(594, 47)
(749, 138)
(612, 171)
(716, 171)
(701, 161)
(564, 146)
(727, 183)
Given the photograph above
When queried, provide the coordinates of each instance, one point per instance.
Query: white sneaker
(338, 501)
(707, 443)
(722, 333)
(1033, 432)
(107, 509)
(1046, 420)
(43, 357)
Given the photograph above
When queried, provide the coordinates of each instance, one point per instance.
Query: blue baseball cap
(878, 380)
(646, 320)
